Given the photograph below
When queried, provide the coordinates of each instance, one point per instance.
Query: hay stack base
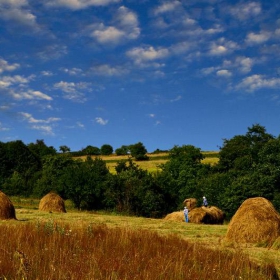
(7, 209)
(255, 221)
(52, 202)
(207, 215)
(175, 216)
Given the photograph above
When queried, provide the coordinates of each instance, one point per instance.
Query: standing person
(186, 214)
(205, 202)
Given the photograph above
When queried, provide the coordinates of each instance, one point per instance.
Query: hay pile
(206, 215)
(7, 209)
(175, 216)
(190, 203)
(255, 221)
(200, 215)
(52, 202)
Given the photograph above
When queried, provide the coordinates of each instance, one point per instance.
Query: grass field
(154, 162)
(62, 241)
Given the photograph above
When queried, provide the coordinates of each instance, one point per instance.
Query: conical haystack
(255, 221)
(7, 209)
(190, 203)
(52, 202)
(206, 215)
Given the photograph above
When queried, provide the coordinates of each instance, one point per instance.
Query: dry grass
(152, 165)
(209, 236)
(62, 250)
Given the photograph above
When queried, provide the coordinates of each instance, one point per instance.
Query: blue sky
(164, 73)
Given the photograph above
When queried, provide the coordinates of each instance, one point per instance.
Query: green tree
(91, 151)
(138, 151)
(64, 149)
(180, 175)
(53, 169)
(106, 149)
(41, 149)
(85, 183)
(123, 150)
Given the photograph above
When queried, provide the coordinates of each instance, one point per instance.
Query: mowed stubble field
(65, 225)
(154, 162)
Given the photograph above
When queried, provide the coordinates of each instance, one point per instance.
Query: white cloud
(79, 4)
(46, 73)
(125, 28)
(54, 51)
(8, 81)
(107, 70)
(107, 34)
(30, 94)
(72, 91)
(31, 119)
(2, 128)
(17, 11)
(167, 7)
(45, 129)
(141, 55)
(222, 47)
(72, 71)
(224, 73)
(256, 82)
(5, 66)
(257, 38)
(101, 121)
(245, 11)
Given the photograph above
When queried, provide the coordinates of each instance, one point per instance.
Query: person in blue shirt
(186, 214)
(205, 202)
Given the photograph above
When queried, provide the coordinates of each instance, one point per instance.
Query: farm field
(75, 229)
(154, 162)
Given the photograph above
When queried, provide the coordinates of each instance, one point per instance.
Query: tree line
(249, 166)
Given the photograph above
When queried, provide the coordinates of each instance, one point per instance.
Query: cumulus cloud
(5, 66)
(79, 4)
(167, 7)
(224, 73)
(17, 11)
(125, 27)
(72, 91)
(101, 121)
(142, 55)
(256, 82)
(54, 51)
(222, 47)
(258, 38)
(245, 11)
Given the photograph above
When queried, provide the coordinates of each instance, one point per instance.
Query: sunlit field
(154, 162)
(99, 245)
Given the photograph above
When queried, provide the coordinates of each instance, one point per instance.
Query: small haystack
(190, 203)
(207, 215)
(175, 216)
(52, 202)
(7, 209)
(255, 221)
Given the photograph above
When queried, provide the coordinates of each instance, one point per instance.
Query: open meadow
(154, 162)
(99, 245)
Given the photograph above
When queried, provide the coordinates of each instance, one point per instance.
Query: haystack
(190, 203)
(255, 221)
(7, 209)
(206, 215)
(175, 216)
(52, 202)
